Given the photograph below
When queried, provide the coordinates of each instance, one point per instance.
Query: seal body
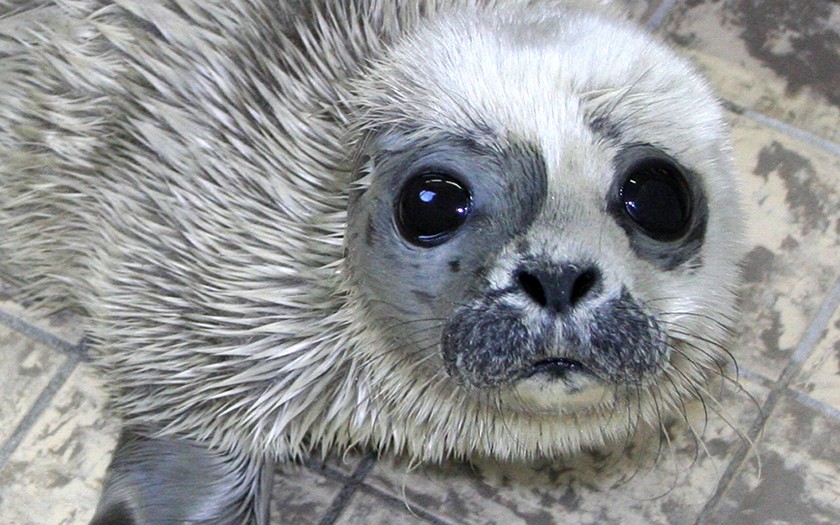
(435, 226)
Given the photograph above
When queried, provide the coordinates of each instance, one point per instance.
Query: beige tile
(640, 10)
(628, 487)
(27, 368)
(792, 198)
(64, 325)
(345, 462)
(367, 509)
(54, 475)
(779, 57)
(763, 93)
(820, 376)
(301, 496)
(800, 473)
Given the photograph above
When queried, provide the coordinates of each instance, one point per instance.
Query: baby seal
(438, 227)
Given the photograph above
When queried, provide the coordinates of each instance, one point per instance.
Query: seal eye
(431, 207)
(656, 196)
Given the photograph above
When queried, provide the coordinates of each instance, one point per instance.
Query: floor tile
(301, 496)
(778, 57)
(54, 476)
(792, 200)
(64, 325)
(640, 10)
(27, 368)
(367, 509)
(800, 473)
(820, 376)
(628, 487)
(344, 463)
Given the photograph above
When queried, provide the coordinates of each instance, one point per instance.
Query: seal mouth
(556, 368)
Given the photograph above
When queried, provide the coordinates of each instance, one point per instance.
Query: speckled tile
(344, 463)
(27, 368)
(800, 473)
(63, 325)
(301, 496)
(792, 199)
(367, 509)
(54, 476)
(640, 10)
(820, 375)
(627, 487)
(778, 57)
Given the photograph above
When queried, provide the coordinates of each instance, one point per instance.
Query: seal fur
(204, 180)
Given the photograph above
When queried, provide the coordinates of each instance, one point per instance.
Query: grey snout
(559, 288)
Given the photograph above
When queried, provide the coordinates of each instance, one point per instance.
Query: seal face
(451, 206)
(551, 255)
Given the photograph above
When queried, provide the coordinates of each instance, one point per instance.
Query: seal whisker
(689, 339)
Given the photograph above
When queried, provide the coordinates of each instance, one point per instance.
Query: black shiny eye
(431, 207)
(656, 196)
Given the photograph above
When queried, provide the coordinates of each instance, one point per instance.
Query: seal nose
(559, 288)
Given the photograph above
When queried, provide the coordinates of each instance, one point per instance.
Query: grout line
(793, 131)
(403, 504)
(343, 499)
(38, 408)
(658, 16)
(816, 329)
(336, 475)
(321, 468)
(788, 129)
(819, 406)
(806, 345)
(740, 456)
(46, 338)
(756, 377)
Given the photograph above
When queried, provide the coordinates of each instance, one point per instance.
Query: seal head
(544, 221)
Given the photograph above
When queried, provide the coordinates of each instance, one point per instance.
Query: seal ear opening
(156, 481)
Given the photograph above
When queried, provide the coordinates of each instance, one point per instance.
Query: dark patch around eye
(666, 250)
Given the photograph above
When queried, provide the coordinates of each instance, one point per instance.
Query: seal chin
(545, 391)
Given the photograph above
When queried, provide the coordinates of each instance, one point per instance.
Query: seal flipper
(155, 481)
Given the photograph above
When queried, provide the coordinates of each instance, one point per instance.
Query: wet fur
(181, 173)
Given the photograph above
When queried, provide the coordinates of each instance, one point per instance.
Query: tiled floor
(769, 453)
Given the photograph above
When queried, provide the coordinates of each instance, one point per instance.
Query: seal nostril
(532, 286)
(582, 285)
(558, 288)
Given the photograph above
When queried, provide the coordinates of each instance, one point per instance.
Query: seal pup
(438, 227)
